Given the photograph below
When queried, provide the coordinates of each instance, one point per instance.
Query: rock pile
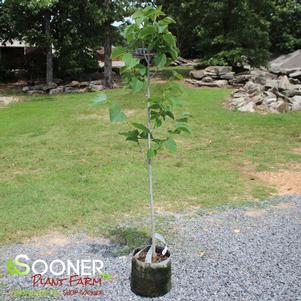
(184, 62)
(213, 76)
(269, 93)
(258, 89)
(72, 87)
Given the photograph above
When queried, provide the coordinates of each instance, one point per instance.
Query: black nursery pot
(151, 279)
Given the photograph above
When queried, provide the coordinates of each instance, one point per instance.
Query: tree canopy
(219, 32)
(232, 30)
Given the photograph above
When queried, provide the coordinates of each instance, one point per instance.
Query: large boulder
(249, 107)
(296, 103)
(72, 90)
(74, 84)
(271, 83)
(84, 84)
(197, 74)
(207, 79)
(252, 87)
(57, 90)
(284, 83)
(221, 83)
(95, 88)
(35, 92)
(96, 82)
(295, 74)
(227, 76)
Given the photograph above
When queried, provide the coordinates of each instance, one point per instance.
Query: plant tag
(160, 238)
(148, 257)
(164, 251)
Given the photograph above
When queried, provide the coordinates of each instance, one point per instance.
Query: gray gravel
(239, 254)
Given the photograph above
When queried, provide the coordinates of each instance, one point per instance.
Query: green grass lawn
(64, 166)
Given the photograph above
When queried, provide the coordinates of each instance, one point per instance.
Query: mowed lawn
(63, 165)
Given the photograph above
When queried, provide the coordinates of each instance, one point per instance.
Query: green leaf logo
(11, 268)
(105, 276)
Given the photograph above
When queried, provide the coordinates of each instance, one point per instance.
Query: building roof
(14, 43)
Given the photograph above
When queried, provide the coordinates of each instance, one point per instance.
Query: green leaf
(162, 27)
(141, 127)
(100, 98)
(131, 135)
(176, 75)
(141, 69)
(170, 114)
(116, 115)
(174, 101)
(184, 118)
(160, 60)
(147, 31)
(171, 145)
(138, 14)
(168, 20)
(118, 51)
(183, 127)
(169, 39)
(158, 122)
(105, 276)
(136, 84)
(174, 88)
(151, 153)
(129, 60)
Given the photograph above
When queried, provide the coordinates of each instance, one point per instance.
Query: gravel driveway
(240, 254)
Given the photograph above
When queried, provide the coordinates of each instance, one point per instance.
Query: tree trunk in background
(49, 54)
(108, 80)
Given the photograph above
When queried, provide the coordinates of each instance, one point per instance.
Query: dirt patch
(49, 243)
(297, 150)
(287, 182)
(49, 240)
(89, 117)
(6, 100)
(284, 206)
(255, 212)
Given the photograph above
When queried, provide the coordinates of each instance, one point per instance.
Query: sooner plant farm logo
(68, 273)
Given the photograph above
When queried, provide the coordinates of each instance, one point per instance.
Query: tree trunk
(49, 54)
(150, 172)
(108, 81)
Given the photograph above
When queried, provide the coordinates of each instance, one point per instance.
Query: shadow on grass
(128, 239)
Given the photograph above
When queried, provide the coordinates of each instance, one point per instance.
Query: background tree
(223, 31)
(72, 28)
(285, 29)
(187, 15)
(114, 11)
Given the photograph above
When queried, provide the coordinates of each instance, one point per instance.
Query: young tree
(149, 31)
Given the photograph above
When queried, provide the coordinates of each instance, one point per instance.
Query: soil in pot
(151, 279)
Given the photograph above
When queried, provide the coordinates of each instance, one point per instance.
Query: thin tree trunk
(108, 57)
(150, 172)
(108, 81)
(49, 54)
